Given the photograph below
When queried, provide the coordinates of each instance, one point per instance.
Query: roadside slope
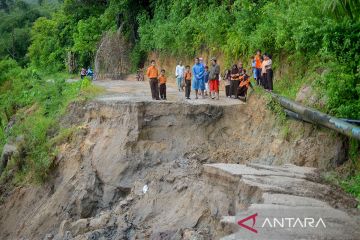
(125, 141)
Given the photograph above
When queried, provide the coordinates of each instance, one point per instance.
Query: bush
(36, 103)
(9, 69)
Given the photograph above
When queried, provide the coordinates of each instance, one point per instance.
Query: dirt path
(132, 90)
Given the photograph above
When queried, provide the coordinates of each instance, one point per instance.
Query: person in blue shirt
(198, 83)
(90, 73)
(253, 68)
(206, 80)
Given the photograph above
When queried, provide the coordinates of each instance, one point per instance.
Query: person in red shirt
(162, 82)
(153, 74)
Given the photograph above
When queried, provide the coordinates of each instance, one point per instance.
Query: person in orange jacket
(258, 61)
(187, 77)
(162, 82)
(244, 84)
(153, 74)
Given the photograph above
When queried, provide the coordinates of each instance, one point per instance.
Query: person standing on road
(203, 82)
(244, 85)
(235, 81)
(258, 61)
(83, 73)
(162, 82)
(179, 74)
(214, 79)
(90, 73)
(198, 77)
(263, 79)
(187, 77)
(153, 74)
(269, 73)
(206, 80)
(227, 79)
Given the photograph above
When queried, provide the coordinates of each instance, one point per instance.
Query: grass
(38, 103)
(288, 88)
(350, 181)
(347, 176)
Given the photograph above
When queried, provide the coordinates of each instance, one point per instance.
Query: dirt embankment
(96, 190)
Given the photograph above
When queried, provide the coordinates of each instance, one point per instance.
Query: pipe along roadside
(295, 110)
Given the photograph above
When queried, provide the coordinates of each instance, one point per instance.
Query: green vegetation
(349, 176)
(35, 103)
(17, 18)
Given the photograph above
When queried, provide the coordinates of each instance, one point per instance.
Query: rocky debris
(101, 221)
(306, 95)
(10, 149)
(277, 192)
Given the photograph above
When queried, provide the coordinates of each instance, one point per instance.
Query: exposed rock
(306, 95)
(284, 192)
(49, 236)
(10, 149)
(79, 227)
(65, 226)
(191, 235)
(101, 221)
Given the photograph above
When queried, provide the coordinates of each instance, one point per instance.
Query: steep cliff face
(124, 145)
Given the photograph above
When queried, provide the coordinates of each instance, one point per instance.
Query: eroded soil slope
(124, 141)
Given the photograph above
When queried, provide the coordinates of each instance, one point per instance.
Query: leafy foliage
(46, 50)
(36, 104)
(17, 18)
(86, 38)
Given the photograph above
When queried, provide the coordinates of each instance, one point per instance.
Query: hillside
(123, 141)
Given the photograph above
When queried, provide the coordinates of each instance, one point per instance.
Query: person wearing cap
(214, 79)
(198, 71)
(153, 74)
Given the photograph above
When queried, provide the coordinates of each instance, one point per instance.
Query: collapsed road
(135, 168)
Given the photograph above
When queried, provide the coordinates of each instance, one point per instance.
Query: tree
(340, 8)
(86, 38)
(5, 5)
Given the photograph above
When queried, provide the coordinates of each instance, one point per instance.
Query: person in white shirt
(179, 74)
(269, 72)
(263, 79)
